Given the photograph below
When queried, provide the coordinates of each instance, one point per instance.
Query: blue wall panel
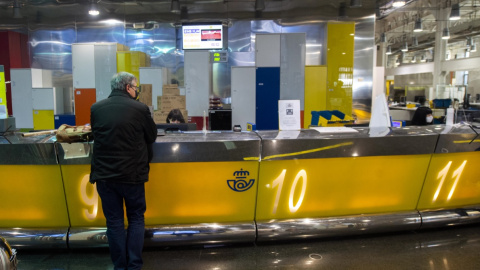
(267, 96)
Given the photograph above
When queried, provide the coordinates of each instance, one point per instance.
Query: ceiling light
(446, 33)
(93, 10)
(414, 59)
(414, 41)
(473, 48)
(383, 38)
(17, 14)
(405, 47)
(455, 12)
(259, 5)
(175, 6)
(423, 59)
(342, 10)
(418, 26)
(398, 3)
(355, 3)
(469, 41)
(389, 50)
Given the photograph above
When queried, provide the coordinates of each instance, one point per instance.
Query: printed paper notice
(289, 114)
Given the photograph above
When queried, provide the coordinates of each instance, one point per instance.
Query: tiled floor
(447, 248)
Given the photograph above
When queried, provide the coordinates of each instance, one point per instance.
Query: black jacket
(123, 131)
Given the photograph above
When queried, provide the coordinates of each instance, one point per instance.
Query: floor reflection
(447, 248)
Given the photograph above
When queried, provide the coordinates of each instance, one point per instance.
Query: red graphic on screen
(213, 34)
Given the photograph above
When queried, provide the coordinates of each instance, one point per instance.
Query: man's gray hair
(121, 79)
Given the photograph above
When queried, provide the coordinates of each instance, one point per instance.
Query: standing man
(123, 131)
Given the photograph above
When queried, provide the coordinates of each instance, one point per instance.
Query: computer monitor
(176, 127)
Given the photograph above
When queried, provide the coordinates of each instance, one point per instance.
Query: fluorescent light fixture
(473, 48)
(405, 47)
(175, 6)
(17, 14)
(342, 10)
(423, 59)
(355, 3)
(259, 5)
(446, 33)
(418, 26)
(414, 41)
(398, 3)
(389, 50)
(93, 10)
(383, 38)
(455, 12)
(414, 59)
(469, 41)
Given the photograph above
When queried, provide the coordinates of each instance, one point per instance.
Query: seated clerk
(423, 115)
(175, 116)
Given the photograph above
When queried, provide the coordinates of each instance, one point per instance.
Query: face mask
(429, 119)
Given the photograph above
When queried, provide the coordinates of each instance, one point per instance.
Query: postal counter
(231, 187)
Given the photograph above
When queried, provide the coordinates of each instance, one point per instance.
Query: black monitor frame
(177, 127)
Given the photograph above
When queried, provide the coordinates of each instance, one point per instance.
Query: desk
(404, 113)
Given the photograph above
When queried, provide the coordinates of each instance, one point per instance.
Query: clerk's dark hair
(420, 115)
(175, 114)
(121, 79)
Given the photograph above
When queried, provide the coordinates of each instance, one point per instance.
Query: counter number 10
(279, 182)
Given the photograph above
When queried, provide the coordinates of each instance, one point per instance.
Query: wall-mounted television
(202, 36)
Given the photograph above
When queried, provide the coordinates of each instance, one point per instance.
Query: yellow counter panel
(32, 196)
(308, 188)
(176, 193)
(452, 181)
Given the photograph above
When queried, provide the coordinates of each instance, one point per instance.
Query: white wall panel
(197, 82)
(243, 96)
(292, 70)
(105, 61)
(267, 50)
(21, 82)
(157, 78)
(83, 65)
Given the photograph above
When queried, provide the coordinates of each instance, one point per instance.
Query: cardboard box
(170, 91)
(160, 117)
(167, 103)
(146, 94)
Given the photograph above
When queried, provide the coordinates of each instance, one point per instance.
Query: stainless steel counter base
(304, 228)
(173, 235)
(200, 234)
(248, 232)
(450, 217)
(36, 237)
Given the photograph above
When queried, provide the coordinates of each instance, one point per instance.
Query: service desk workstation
(233, 187)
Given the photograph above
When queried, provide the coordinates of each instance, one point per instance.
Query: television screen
(202, 36)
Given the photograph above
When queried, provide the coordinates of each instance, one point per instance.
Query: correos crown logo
(240, 183)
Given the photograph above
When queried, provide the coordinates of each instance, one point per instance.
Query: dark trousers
(125, 248)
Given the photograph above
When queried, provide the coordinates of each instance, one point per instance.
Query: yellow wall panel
(340, 55)
(43, 119)
(3, 90)
(315, 91)
(131, 61)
